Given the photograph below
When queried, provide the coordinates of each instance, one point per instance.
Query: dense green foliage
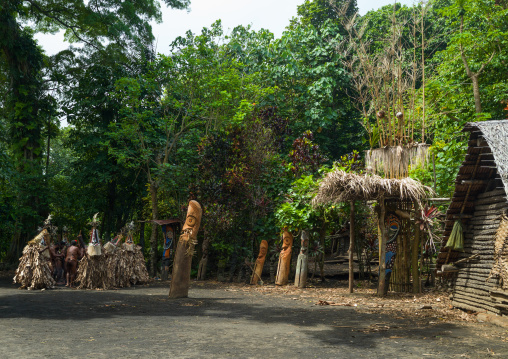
(246, 124)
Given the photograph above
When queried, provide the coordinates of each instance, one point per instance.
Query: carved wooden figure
(260, 262)
(301, 264)
(284, 259)
(180, 279)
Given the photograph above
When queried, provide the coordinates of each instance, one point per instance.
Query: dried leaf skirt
(126, 268)
(34, 271)
(92, 273)
(119, 269)
(140, 274)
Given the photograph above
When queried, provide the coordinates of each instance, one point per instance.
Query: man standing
(74, 253)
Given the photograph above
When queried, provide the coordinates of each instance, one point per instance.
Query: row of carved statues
(283, 267)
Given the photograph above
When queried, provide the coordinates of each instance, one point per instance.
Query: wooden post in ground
(382, 247)
(415, 273)
(204, 257)
(284, 259)
(260, 262)
(180, 279)
(302, 263)
(351, 245)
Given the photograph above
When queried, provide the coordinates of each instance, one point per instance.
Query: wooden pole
(351, 246)
(302, 263)
(180, 279)
(415, 273)
(382, 247)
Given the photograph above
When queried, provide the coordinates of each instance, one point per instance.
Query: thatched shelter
(340, 186)
(403, 194)
(479, 201)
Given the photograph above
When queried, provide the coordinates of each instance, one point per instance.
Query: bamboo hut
(480, 281)
(393, 196)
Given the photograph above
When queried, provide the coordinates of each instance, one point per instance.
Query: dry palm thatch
(496, 135)
(92, 273)
(500, 267)
(119, 268)
(395, 161)
(34, 271)
(126, 268)
(340, 186)
(38, 239)
(140, 273)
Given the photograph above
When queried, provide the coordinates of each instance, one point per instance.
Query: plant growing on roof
(426, 221)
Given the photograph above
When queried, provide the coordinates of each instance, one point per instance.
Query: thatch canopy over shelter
(340, 186)
(479, 201)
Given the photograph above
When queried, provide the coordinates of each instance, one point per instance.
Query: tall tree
(196, 89)
(28, 106)
(480, 37)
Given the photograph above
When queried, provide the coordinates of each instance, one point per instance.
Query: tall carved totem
(180, 278)
(302, 263)
(260, 262)
(284, 259)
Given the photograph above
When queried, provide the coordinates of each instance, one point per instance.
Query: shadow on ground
(247, 321)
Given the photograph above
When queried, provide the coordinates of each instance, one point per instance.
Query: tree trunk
(382, 247)
(23, 61)
(351, 246)
(48, 147)
(108, 224)
(153, 237)
(142, 237)
(476, 93)
(473, 76)
(415, 273)
(204, 257)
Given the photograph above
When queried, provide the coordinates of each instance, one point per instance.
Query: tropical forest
(360, 153)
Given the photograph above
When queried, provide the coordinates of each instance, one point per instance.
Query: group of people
(64, 258)
(50, 260)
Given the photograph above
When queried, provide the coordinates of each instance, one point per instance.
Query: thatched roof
(340, 186)
(496, 135)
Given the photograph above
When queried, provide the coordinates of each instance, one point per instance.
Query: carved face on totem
(287, 240)
(193, 219)
(169, 239)
(263, 249)
(393, 223)
(305, 242)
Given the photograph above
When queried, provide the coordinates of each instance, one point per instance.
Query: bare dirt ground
(235, 320)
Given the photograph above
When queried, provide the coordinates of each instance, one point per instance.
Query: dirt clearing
(240, 321)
